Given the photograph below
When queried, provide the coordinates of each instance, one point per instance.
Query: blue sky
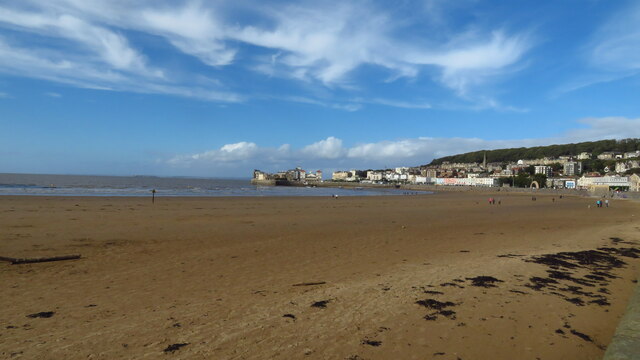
(218, 88)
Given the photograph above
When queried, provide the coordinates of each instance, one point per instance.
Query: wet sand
(442, 276)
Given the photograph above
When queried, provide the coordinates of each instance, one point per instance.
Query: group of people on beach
(492, 201)
(599, 203)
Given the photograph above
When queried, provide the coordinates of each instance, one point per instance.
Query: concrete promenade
(625, 344)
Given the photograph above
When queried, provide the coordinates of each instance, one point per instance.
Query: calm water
(76, 185)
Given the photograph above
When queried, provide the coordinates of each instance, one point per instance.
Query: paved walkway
(625, 344)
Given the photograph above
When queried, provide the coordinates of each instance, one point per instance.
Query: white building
(607, 155)
(417, 179)
(572, 168)
(610, 181)
(584, 156)
(375, 175)
(633, 154)
(542, 169)
(489, 182)
(634, 181)
(344, 176)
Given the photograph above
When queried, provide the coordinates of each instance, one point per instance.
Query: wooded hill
(551, 151)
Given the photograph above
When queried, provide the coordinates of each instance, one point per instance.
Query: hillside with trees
(550, 151)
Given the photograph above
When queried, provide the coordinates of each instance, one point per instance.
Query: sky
(219, 88)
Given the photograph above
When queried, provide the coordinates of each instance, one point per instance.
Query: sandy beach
(443, 276)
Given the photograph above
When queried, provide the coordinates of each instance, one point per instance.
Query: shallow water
(82, 185)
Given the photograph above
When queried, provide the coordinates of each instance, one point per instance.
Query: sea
(87, 185)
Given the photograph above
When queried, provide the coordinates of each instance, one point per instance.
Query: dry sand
(218, 274)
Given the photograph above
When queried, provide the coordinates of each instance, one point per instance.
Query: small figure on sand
(606, 203)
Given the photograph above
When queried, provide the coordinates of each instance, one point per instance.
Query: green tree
(522, 180)
(541, 179)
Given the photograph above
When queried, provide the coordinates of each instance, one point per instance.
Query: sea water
(84, 185)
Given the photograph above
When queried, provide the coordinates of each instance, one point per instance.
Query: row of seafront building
(562, 172)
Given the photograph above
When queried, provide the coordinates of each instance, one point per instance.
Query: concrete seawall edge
(625, 344)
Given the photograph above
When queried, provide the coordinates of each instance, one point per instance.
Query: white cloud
(53, 94)
(330, 148)
(86, 74)
(111, 48)
(321, 42)
(613, 127)
(192, 29)
(612, 52)
(615, 45)
(466, 63)
(330, 153)
(227, 153)
(401, 104)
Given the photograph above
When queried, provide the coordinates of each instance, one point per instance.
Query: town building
(584, 156)
(486, 182)
(572, 168)
(607, 155)
(543, 169)
(612, 182)
(634, 182)
(561, 183)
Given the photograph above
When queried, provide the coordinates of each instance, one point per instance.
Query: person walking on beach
(606, 203)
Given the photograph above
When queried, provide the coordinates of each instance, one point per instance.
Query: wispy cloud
(615, 44)
(612, 51)
(321, 42)
(4, 95)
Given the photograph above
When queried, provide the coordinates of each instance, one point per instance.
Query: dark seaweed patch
(538, 283)
(448, 313)
(576, 300)
(589, 268)
(174, 347)
(626, 252)
(601, 301)
(582, 336)
(484, 281)
(371, 342)
(434, 304)
(440, 308)
(289, 316)
(321, 304)
(452, 284)
(433, 292)
(44, 315)
(616, 240)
